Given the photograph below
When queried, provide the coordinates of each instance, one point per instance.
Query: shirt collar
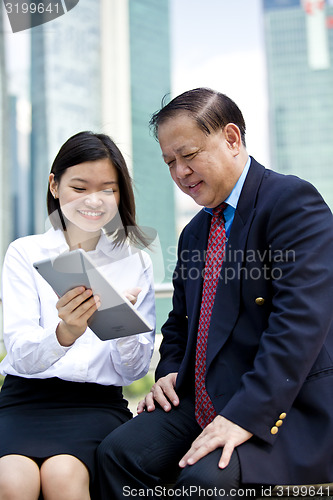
(56, 242)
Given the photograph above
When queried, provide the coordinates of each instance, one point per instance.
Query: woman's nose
(94, 199)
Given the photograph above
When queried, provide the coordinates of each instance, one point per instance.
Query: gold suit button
(274, 430)
(282, 416)
(278, 423)
(260, 301)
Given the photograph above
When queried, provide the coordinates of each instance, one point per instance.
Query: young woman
(62, 392)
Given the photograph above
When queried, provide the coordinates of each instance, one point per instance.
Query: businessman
(244, 387)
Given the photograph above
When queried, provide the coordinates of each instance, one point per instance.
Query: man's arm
(172, 347)
(301, 310)
(175, 329)
(299, 320)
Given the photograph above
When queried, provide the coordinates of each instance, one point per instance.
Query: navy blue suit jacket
(270, 344)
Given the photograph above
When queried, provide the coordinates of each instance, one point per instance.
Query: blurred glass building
(4, 198)
(65, 87)
(299, 50)
(5, 212)
(105, 66)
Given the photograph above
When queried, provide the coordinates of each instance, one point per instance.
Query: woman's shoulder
(25, 243)
(36, 244)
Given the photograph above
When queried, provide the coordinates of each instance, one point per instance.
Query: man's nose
(182, 169)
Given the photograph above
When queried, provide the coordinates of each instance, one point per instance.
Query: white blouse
(30, 316)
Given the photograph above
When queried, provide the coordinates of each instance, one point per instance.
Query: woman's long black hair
(88, 146)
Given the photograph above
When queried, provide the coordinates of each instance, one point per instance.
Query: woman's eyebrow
(78, 179)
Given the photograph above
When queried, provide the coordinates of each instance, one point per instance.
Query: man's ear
(233, 137)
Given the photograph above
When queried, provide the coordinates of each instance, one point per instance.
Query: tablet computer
(116, 317)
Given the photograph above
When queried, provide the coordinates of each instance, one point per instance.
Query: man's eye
(190, 156)
(170, 163)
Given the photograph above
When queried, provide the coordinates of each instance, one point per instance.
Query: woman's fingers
(72, 294)
(74, 309)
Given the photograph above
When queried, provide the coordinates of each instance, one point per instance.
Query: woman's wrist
(64, 336)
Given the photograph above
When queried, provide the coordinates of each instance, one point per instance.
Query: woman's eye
(79, 189)
(108, 191)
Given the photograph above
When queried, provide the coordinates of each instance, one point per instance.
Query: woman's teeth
(91, 214)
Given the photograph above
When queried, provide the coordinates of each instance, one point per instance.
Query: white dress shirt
(31, 318)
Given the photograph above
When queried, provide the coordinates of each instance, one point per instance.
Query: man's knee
(117, 447)
(106, 450)
(207, 475)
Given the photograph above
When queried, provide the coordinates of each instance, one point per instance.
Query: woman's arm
(31, 347)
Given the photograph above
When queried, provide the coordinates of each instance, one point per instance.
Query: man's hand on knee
(219, 433)
(163, 392)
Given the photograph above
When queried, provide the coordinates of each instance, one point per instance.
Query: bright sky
(220, 44)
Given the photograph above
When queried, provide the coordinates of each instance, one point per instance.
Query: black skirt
(40, 418)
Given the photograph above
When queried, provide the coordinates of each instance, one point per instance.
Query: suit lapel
(227, 300)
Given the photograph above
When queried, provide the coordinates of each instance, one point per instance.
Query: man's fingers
(200, 447)
(167, 385)
(220, 433)
(226, 455)
(197, 452)
(160, 396)
(147, 402)
(141, 406)
(163, 393)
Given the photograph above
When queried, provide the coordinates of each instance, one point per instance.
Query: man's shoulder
(195, 224)
(273, 184)
(271, 175)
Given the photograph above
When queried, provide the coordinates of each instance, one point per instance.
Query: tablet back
(116, 316)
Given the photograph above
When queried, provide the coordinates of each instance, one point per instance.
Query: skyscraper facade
(65, 91)
(135, 77)
(150, 81)
(299, 50)
(4, 196)
(5, 224)
(105, 66)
